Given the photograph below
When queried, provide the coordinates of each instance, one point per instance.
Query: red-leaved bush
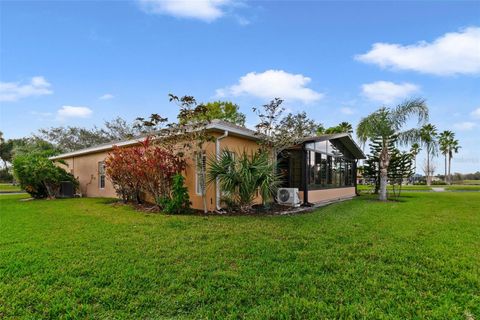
(146, 167)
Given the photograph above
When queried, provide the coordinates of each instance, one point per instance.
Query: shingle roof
(215, 125)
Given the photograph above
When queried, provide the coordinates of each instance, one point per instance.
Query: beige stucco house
(302, 166)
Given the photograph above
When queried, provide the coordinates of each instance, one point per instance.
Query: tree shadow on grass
(109, 201)
(374, 198)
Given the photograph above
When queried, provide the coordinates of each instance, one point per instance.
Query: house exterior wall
(85, 169)
(315, 196)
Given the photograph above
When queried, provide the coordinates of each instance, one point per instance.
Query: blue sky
(80, 63)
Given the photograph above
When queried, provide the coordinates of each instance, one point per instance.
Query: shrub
(157, 168)
(39, 176)
(243, 175)
(122, 168)
(179, 201)
(148, 168)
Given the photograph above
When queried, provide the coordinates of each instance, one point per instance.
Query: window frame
(338, 169)
(203, 157)
(101, 175)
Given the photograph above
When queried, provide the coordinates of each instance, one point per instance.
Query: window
(101, 175)
(326, 171)
(295, 170)
(201, 166)
(327, 165)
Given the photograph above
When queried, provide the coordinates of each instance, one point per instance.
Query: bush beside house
(149, 169)
(39, 176)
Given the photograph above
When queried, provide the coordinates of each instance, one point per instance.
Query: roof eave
(214, 126)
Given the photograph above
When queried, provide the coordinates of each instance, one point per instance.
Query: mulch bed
(256, 210)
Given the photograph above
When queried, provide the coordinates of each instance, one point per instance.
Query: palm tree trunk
(449, 167)
(429, 182)
(445, 178)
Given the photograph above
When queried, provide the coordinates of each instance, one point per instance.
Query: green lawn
(462, 188)
(366, 188)
(84, 258)
(474, 182)
(6, 187)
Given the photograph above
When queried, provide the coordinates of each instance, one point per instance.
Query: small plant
(179, 201)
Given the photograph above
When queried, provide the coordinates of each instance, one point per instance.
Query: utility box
(67, 189)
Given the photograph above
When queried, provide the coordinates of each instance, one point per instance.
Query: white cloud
(73, 112)
(465, 126)
(107, 96)
(452, 53)
(347, 111)
(13, 91)
(476, 113)
(205, 10)
(388, 92)
(273, 84)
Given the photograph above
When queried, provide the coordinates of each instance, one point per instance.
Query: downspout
(217, 182)
(305, 176)
(355, 168)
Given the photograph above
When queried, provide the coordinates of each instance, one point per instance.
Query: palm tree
(242, 175)
(444, 140)
(386, 124)
(345, 127)
(414, 151)
(428, 138)
(454, 146)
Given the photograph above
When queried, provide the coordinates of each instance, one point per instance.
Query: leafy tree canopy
(223, 110)
(281, 131)
(74, 138)
(38, 175)
(386, 123)
(343, 127)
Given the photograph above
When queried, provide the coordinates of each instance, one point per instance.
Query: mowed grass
(462, 188)
(474, 182)
(370, 188)
(6, 187)
(85, 258)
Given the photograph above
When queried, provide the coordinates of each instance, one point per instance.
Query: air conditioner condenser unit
(288, 196)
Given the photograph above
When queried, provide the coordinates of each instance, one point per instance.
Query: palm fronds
(242, 175)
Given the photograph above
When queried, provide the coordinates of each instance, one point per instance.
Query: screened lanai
(323, 168)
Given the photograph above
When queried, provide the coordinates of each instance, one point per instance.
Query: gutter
(217, 182)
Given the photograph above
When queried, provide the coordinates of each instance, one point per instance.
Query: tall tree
(75, 138)
(428, 138)
(279, 132)
(187, 135)
(454, 146)
(444, 139)
(343, 127)
(400, 169)
(414, 151)
(224, 110)
(387, 122)
(6, 151)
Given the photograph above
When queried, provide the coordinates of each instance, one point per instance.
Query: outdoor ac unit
(288, 196)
